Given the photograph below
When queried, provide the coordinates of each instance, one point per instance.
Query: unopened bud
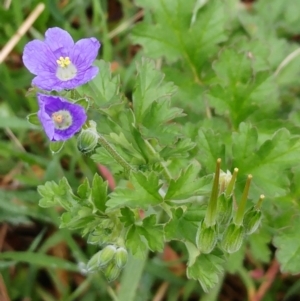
(252, 220)
(88, 139)
(224, 210)
(112, 272)
(233, 238)
(106, 255)
(121, 257)
(206, 238)
(93, 263)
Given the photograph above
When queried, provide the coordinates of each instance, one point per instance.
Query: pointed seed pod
(233, 238)
(206, 238)
(121, 257)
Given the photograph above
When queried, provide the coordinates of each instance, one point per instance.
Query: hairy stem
(114, 153)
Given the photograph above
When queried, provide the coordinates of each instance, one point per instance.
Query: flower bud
(88, 139)
(206, 238)
(252, 220)
(111, 272)
(121, 257)
(106, 255)
(233, 238)
(93, 263)
(224, 210)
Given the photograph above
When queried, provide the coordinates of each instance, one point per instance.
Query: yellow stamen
(57, 118)
(63, 62)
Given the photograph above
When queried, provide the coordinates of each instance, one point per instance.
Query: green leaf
(102, 156)
(207, 269)
(84, 102)
(188, 184)
(259, 245)
(104, 87)
(99, 193)
(33, 119)
(267, 163)
(15, 123)
(148, 235)
(211, 148)
(142, 192)
(288, 244)
(128, 217)
(41, 260)
(57, 194)
(240, 90)
(180, 228)
(153, 233)
(173, 34)
(134, 242)
(179, 150)
(84, 189)
(149, 89)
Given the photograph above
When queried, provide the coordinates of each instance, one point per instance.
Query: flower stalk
(114, 153)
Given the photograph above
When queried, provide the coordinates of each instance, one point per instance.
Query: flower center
(63, 61)
(62, 119)
(65, 69)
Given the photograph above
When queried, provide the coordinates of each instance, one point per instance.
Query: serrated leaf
(143, 191)
(57, 194)
(179, 150)
(180, 228)
(175, 36)
(241, 91)
(268, 162)
(288, 244)
(211, 147)
(149, 89)
(207, 269)
(153, 233)
(99, 193)
(188, 184)
(127, 217)
(134, 243)
(104, 87)
(102, 156)
(84, 189)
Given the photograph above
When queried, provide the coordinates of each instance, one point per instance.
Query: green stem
(114, 153)
(211, 213)
(238, 220)
(162, 163)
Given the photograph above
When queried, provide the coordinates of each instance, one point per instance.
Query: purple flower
(60, 64)
(60, 118)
